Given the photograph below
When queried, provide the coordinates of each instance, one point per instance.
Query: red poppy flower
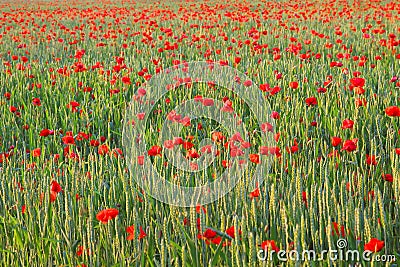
(187, 145)
(82, 136)
(269, 244)
(142, 233)
(236, 137)
(56, 187)
(255, 193)
(226, 164)
(106, 215)
(227, 107)
(387, 177)
(393, 111)
(237, 60)
(374, 245)
(359, 90)
(349, 145)
(117, 152)
(294, 148)
(208, 233)
(13, 109)
(336, 230)
(360, 102)
(178, 141)
(141, 115)
(126, 80)
(154, 151)
(264, 87)
(102, 150)
(255, 158)
(186, 221)
(217, 136)
(53, 196)
(357, 82)
(336, 141)
(294, 85)
(267, 127)
(311, 101)
(347, 124)
(231, 231)
(200, 208)
(131, 231)
(236, 152)
(45, 132)
(371, 194)
(36, 152)
(304, 197)
(371, 160)
(36, 102)
(207, 149)
(192, 154)
(68, 140)
(208, 102)
(275, 115)
(216, 240)
(73, 106)
(247, 83)
(140, 160)
(275, 151)
(94, 143)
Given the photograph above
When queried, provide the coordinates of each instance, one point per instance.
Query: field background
(72, 68)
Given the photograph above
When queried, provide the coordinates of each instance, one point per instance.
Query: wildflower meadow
(200, 133)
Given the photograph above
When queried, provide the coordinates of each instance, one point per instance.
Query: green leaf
(217, 254)
(18, 238)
